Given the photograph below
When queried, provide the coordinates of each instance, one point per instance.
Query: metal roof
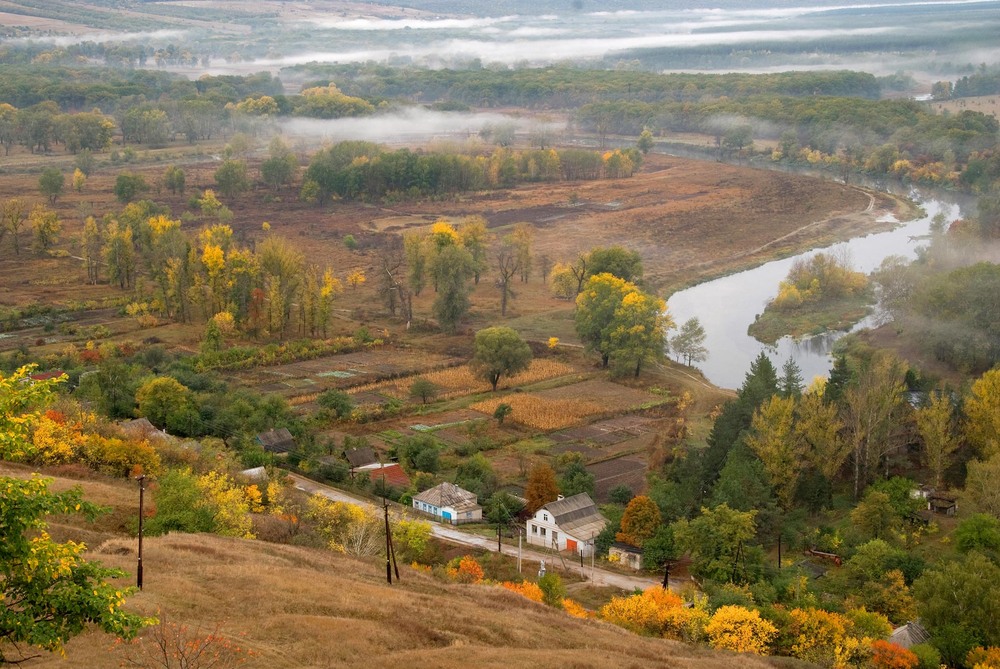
(449, 495)
(577, 515)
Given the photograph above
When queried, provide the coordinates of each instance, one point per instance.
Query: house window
(555, 537)
(543, 531)
(545, 517)
(534, 529)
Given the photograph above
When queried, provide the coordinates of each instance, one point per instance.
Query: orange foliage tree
(525, 589)
(465, 570)
(886, 655)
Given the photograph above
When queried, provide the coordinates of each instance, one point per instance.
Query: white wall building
(449, 503)
(567, 524)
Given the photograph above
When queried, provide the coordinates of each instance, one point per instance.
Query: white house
(567, 524)
(450, 503)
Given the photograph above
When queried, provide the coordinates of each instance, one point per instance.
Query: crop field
(611, 431)
(458, 381)
(609, 395)
(542, 413)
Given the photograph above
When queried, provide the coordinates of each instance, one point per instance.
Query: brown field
(298, 607)
(460, 381)
(986, 104)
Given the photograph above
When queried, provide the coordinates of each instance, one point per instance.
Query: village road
(451, 534)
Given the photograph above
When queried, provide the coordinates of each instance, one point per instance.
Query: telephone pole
(142, 489)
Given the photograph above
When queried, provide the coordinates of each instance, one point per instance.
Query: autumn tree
(595, 312)
(50, 592)
(773, 438)
(13, 216)
(982, 414)
(980, 484)
(522, 240)
(818, 427)
(499, 351)
(872, 406)
(640, 521)
(936, 426)
(542, 487)
(79, 180)
(161, 398)
(119, 255)
(423, 389)
(741, 630)
(639, 331)
(46, 226)
(475, 238)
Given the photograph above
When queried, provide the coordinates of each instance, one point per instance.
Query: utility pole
(142, 489)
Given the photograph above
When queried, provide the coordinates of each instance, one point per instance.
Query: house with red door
(568, 524)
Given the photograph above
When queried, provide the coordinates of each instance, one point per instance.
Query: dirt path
(596, 575)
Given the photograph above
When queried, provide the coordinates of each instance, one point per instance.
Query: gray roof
(450, 495)
(277, 441)
(577, 515)
(910, 634)
(359, 457)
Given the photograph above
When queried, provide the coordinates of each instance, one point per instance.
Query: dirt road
(451, 534)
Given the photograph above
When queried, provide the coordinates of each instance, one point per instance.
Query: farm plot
(458, 381)
(608, 475)
(607, 432)
(307, 378)
(566, 406)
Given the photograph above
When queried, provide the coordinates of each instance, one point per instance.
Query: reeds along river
(727, 306)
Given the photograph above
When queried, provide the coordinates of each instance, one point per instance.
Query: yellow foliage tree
(229, 503)
(817, 634)
(739, 629)
(982, 413)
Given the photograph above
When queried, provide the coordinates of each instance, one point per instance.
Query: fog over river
(727, 306)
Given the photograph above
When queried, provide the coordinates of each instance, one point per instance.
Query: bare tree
(392, 279)
(508, 265)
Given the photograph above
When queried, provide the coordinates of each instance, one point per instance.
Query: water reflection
(727, 306)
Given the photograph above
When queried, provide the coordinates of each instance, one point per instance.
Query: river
(728, 305)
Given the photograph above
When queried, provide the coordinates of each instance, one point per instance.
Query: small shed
(278, 440)
(943, 504)
(626, 554)
(450, 503)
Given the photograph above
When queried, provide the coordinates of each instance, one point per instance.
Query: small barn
(276, 441)
(450, 503)
(910, 634)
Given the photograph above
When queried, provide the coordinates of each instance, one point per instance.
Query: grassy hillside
(298, 607)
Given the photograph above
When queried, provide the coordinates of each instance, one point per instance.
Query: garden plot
(607, 432)
(570, 405)
(340, 371)
(608, 475)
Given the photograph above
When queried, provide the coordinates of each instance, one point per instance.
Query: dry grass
(458, 381)
(542, 413)
(300, 607)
